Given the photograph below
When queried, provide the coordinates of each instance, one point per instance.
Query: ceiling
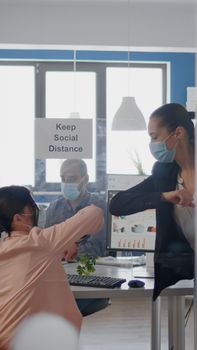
(25, 2)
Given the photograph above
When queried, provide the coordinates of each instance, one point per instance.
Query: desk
(175, 295)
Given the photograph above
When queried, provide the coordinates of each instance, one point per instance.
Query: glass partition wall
(94, 90)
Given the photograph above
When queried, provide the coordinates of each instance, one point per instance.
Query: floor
(125, 325)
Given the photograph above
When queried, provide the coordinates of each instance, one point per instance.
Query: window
(95, 90)
(68, 92)
(17, 91)
(125, 148)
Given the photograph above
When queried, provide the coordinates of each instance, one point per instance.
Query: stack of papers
(128, 262)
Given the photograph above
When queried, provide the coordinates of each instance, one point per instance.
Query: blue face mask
(70, 191)
(160, 151)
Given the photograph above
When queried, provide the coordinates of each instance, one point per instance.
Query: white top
(184, 217)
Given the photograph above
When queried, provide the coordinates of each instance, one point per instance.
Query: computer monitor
(134, 232)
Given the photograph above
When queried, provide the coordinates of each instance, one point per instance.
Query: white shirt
(184, 217)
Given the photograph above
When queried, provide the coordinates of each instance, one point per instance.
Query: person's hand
(94, 217)
(181, 197)
(71, 253)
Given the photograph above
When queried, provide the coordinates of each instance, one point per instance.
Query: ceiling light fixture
(128, 115)
(74, 114)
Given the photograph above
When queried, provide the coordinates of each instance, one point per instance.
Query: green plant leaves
(86, 264)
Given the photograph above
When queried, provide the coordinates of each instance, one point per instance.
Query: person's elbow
(93, 217)
(114, 207)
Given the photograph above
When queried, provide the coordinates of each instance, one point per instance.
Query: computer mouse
(136, 284)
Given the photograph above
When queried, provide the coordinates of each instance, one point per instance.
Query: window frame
(100, 69)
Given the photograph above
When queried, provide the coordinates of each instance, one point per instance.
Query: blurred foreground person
(32, 278)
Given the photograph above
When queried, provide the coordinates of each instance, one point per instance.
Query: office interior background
(59, 56)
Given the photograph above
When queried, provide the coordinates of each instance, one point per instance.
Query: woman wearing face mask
(32, 278)
(170, 189)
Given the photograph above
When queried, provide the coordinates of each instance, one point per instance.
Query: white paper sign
(63, 138)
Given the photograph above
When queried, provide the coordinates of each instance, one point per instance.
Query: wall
(179, 62)
(99, 23)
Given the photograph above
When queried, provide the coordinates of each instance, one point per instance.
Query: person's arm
(94, 245)
(138, 198)
(61, 237)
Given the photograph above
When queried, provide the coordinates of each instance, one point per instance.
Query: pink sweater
(32, 278)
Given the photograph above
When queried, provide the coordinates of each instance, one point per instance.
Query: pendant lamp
(128, 115)
(74, 114)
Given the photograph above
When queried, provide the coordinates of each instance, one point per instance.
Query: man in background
(75, 196)
(74, 180)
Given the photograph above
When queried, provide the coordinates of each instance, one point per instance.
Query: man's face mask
(70, 191)
(160, 151)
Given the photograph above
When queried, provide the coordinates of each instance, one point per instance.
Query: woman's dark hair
(13, 200)
(173, 115)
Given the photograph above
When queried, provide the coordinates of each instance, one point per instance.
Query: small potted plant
(86, 265)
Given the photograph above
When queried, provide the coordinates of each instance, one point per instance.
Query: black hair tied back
(191, 115)
(173, 115)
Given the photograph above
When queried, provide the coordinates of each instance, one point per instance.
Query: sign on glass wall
(63, 138)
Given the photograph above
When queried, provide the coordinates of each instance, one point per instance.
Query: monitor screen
(132, 232)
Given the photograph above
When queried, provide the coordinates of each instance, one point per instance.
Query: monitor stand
(150, 262)
(112, 253)
(115, 253)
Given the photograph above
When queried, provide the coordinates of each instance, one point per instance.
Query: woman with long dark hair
(170, 189)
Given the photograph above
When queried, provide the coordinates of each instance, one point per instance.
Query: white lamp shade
(128, 116)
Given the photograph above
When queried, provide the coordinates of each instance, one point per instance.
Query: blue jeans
(89, 306)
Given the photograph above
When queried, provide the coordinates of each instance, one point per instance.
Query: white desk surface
(181, 288)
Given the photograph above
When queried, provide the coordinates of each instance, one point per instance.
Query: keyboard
(95, 281)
